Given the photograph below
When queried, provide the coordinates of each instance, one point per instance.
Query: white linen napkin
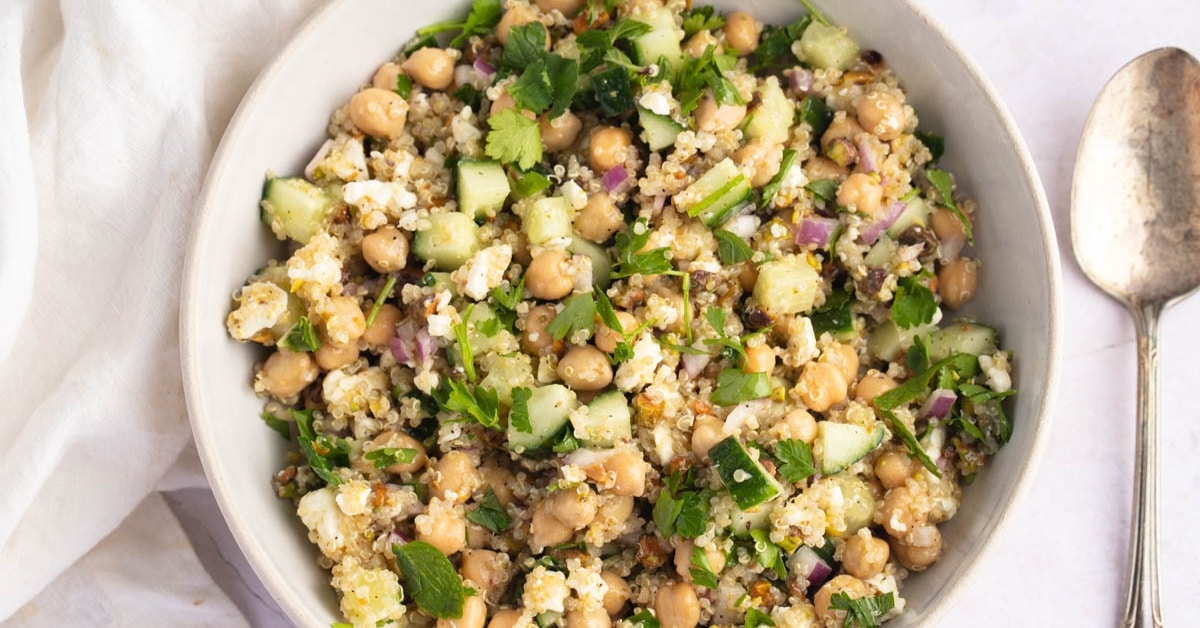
(111, 111)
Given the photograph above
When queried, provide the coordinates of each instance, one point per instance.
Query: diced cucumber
(482, 187)
(971, 338)
(844, 444)
(888, 340)
(296, 209)
(858, 504)
(449, 241)
(916, 213)
(661, 42)
(548, 218)
(773, 117)
(748, 482)
(505, 372)
(787, 286)
(716, 194)
(601, 262)
(882, 253)
(825, 46)
(608, 420)
(658, 131)
(550, 409)
(743, 521)
(481, 343)
(440, 282)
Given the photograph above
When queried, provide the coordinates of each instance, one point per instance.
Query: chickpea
(386, 76)
(455, 477)
(535, 340)
(864, 555)
(821, 386)
(399, 440)
(616, 508)
(893, 469)
(379, 112)
(505, 101)
(574, 507)
(899, 517)
(919, 549)
(444, 529)
(707, 431)
(599, 219)
(566, 7)
(844, 357)
(861, 192)
(842, 127)
(607, 147)
(593, 618)
(559, 133)
(478, 536)
(344, 321)
(715, 118)
(549, 276)
(607, 339)
(741, 32)
(683, 559)
(821, 168)
(618, 593)
(748, 277)
(516, 15)
(851, 586)
(286, 373)
(474, 613)
(763, 157)
(698, 44)
(332, 356)
(947, 225)
(430, 67)
(801, 425)
(545, 529)
(500, 481)
(760, 358)
(872, 385)
(630, 471)
(383, 328)
(677, 606)
(487, 569)
(505, 618)
(881, 114)
(385, 249)
(957, 281)
(585, 368)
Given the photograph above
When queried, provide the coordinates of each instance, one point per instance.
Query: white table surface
(1062, 559)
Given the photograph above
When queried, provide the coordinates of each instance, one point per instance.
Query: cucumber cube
(787, 286)
(449, 241)
(547, 219)
(482, 187)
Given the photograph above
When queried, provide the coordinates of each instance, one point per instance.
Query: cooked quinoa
(624, 313)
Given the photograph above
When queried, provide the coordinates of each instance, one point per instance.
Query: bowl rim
(260, 562)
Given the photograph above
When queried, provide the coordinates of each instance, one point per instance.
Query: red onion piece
(424, 344)
(311, 168)
(866, 158)
(615, 180)
(484, 68)
(404, 343)
(799, 79)
(871, 233)
(808, 563)
(660, 201)
(938, 404)
(694, 363)
(815, 231)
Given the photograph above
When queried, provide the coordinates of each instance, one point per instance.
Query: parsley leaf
(509, 299)
(934, 142)
(734, 346)
(404, 86)
(530, 183)
(430, 579)
(481, 404)
(566, 442)
(701, 570)
(817, 114)
(768, 554)
(279, 425)
(645, 619)
(944, 184)
(462, 336)
(385, 293)
(701, 19)
(917, 356)
(632, 262)
(706, 73)
(824, 189)
(612, 90)
(772, 187)
(732, 249)
(323, 452)
(484, 15)
(490, 513)
(774, 49)
(835, 316)
(514, 139)
(962, 363)
(796, 456)
(735, 386)
(302, 337)
(914, 303)
(385, 457)
(756, 618)
(863, 612)
(519, 415)
(525, 45)
(693, 514)
(579, 312)
(604, 308)
(910, 440)
(531, 90)
(549, 82)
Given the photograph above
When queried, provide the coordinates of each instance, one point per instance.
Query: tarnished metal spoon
(1135, 225)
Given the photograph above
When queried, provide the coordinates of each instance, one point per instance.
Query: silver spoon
(1135, 225)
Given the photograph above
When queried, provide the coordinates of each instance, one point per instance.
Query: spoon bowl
(1135, 227)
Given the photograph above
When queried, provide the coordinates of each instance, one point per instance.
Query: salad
(636, 313)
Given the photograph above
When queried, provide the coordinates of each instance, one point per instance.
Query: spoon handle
(1142, 606)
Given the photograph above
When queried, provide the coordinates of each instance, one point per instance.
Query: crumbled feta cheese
(638, 371)
(996, 368)
(260, 305)
(347, 394)
(377, 200)
(656, 101)
(465, 129)
(441, 322)
(484, 271)
(353, 497)
(315, 270)
(545, 591)
(574, 194)
(328, 527)
(343, 159)
(802, 343)
(587, 583)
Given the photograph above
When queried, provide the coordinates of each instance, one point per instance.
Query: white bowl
(281, 123)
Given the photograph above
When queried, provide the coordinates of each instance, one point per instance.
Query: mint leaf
(731, 249)
(532, 89)
(530, 183)
(579, 312)
(612, 90)
(324, 453)
(863, 612)
(735, 386)
(817, 114)
(824, 189)
(914, 304)
(490, 513)
(385, 457)
(917, 356)
(514, 139)
(914, 446)
(692, 519)
(302, 337)
(835, 316)
(279, 425)
(518, 417)
(430, 579)
(796, 458)
(774, 49)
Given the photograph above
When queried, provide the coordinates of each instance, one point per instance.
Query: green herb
(796, 458)
(302, 337)
(579, 312)
(944, 184)
(735, 386)
(645, 619)
(566, 441)
(549, 82)
(734, 347)
(990, 412)
(835, 316)
(612, 90)
(481, 404)
(815, 13)
(404, 86)
(731, 249)
(462, 335)
(703, 18)
(632, 262)
(914, 303)
(324, 453)
(385, 457)
(914, 446)
(917, 356)
(706, 73)
(385, 293)
(490, 327)
(604, 308)
(518, 417)
(490, 513)
(934, 142)
(469, 96)
(774, 49)
(279, 425)
(701, 570)
(824, 189)
(421, 41)
(756, 618)
(863, 612)
(509, 299)
(530, 183)
(514, 139)
(772, 187)
(685, 512)
(596, 45)
(340, 624)
(768, 554)
(817, 114)
(525, 45)
(430, 579)
(564, 82)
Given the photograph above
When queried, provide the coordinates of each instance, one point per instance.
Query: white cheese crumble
(545, 591)
(996, 368)
(260, 305)
(315, 270)
(484, 271)
(638, 371)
